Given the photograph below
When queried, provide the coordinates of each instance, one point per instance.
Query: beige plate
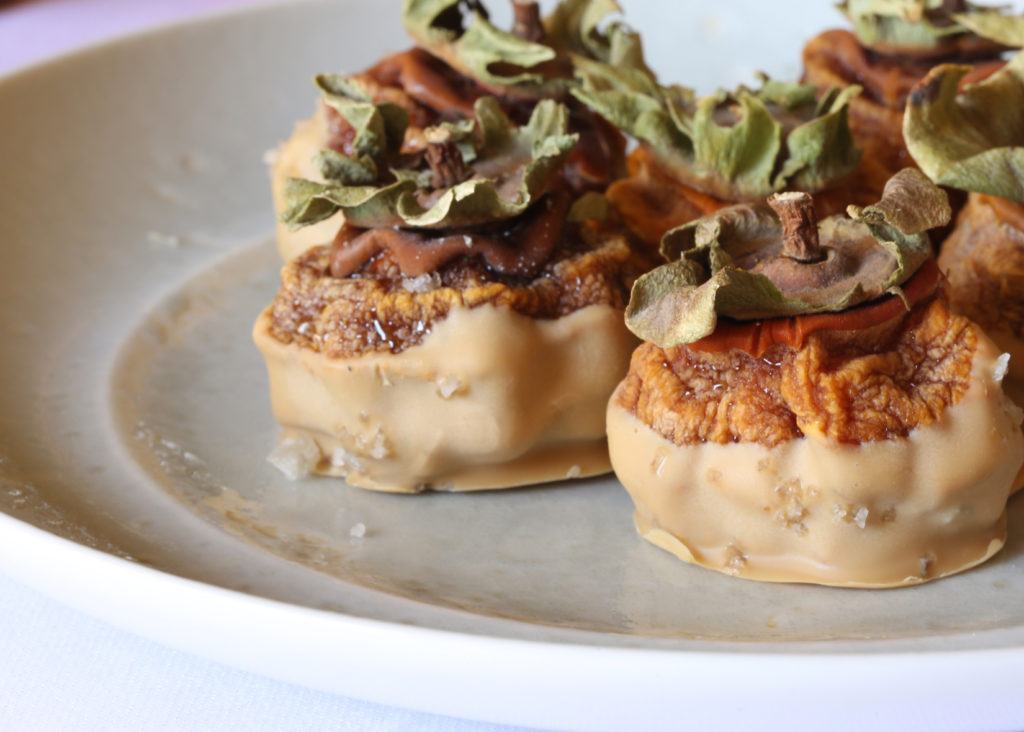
(135, 221)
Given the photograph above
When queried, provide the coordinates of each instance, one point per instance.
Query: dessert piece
(464, 329)
(806, 407)
(973, 140)
(461, 57)
(698, 155)
(894, 44)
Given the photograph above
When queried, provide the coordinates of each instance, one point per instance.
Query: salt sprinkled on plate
(295, 457)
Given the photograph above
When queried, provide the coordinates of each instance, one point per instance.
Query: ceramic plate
(136, 232)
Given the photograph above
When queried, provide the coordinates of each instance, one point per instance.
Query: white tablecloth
(62, 670)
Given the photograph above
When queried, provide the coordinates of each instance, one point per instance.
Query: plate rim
(560, 684)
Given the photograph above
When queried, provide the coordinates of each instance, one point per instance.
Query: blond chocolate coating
(490, 399)
(922, 495)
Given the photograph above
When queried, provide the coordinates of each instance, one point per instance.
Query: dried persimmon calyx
(503, 171)
(971, 139)
(533, 59)
(737, 262)
(931, 28)
(737, 146)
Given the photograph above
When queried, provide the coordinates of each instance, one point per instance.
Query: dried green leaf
(742, 153)
(731, 264)
(740, 145)
(927, 26)
(972, 140)
(897, 23)
(461, 34)
(910, 203)
(512, 167)
(821, 151)
(748, 228)
(309, 202)
(349, 171)
(379, 127)
(574, 27)
(471, 44)
(994, 25)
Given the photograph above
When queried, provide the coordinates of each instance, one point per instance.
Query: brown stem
(527, 24)
(444, 158)
(799, 225)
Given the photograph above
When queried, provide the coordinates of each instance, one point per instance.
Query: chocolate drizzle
(520, 247)
(428, 80)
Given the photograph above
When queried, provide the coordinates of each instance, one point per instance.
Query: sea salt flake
(170, 241)
(1001, 366)
(358, 531)
(447, 386)
(422, 283)
(342, 458)
(736, 561)
(295, 457)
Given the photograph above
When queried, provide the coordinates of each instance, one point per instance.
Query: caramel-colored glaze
(490, 399)
(983, 260)
(757, 337)
(519, 247)
(881, 513)
(430, 83)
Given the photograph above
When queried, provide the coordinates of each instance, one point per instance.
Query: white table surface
(63, 670)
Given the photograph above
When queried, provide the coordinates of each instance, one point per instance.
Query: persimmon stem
(799, 225)
(444, 158)
(527, 24)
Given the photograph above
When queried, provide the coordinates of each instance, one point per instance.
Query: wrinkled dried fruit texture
(984, 261)
(432, 92)
(651, 200)
(836, 58)
(847, 387)
(377, 310)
